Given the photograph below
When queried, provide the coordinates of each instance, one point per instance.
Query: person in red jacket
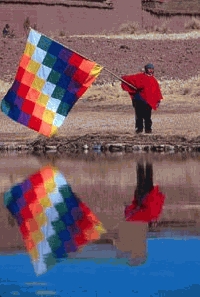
(145, 93)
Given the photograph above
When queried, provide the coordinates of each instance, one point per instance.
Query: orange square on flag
(35, 208)
(86, 65)
(47, 173)
(24, 61)
(38, 111)
(45, 128)
(28, 78)
(33, 95)
(31, 225)
(29, 243)
(40, 191)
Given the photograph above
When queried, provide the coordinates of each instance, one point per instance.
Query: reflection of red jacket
(150, 89)
(150, 209)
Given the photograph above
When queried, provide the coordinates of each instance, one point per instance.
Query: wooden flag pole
(120, 79)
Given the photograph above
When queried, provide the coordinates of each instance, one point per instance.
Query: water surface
(107, 184)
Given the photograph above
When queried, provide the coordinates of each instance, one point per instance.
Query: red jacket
(148, 86)
(150, 210)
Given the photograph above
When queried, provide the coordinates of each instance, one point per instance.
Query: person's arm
(131, 86)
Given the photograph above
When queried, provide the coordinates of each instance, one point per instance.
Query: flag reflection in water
(52, 220)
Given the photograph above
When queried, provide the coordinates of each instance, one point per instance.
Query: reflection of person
(144, 182)
(144, 209)
(145, 96)
(148, 200)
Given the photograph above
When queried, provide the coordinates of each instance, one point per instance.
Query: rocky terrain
(175, 56)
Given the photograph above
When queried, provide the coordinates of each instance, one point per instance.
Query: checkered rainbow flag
(52, 220)
(49, 81)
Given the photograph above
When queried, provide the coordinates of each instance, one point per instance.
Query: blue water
(172, 269)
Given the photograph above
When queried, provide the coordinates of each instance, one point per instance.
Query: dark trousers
(142, 115)
(144, 182)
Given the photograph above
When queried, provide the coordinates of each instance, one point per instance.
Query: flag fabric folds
(52, 220)
(49, 80)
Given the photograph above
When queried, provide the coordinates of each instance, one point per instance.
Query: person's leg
(147, 118)
(138, 106)
(149, 186)
(139, 191)
(149, 177)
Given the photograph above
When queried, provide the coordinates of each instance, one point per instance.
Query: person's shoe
(138, 131)
(148, 131)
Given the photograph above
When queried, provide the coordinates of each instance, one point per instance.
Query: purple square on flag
(24, 118)
(65, 54)
(73, 229)
(70, 70)
(21, 202)
(19, 218)
(73, 87)
(15, 86)
(76, 213)
(70, 246)
(18, 101)
(26, 186)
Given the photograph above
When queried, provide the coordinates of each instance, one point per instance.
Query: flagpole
(122, 80)
(130, 85)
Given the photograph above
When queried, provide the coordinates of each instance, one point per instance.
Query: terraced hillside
(175, 7)
(102, 4)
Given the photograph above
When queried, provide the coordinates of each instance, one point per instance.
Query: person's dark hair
(149, 66)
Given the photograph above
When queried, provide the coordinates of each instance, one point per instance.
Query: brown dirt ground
(105, 118)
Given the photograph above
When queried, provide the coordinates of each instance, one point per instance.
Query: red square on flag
(22, 91)
(24, 230)
(28, 106)
(30, 196)
(26, 213)
(80, 76)
(75, 60)
(36, 179)
(81, 91)
(35, 123)
(20, 73)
